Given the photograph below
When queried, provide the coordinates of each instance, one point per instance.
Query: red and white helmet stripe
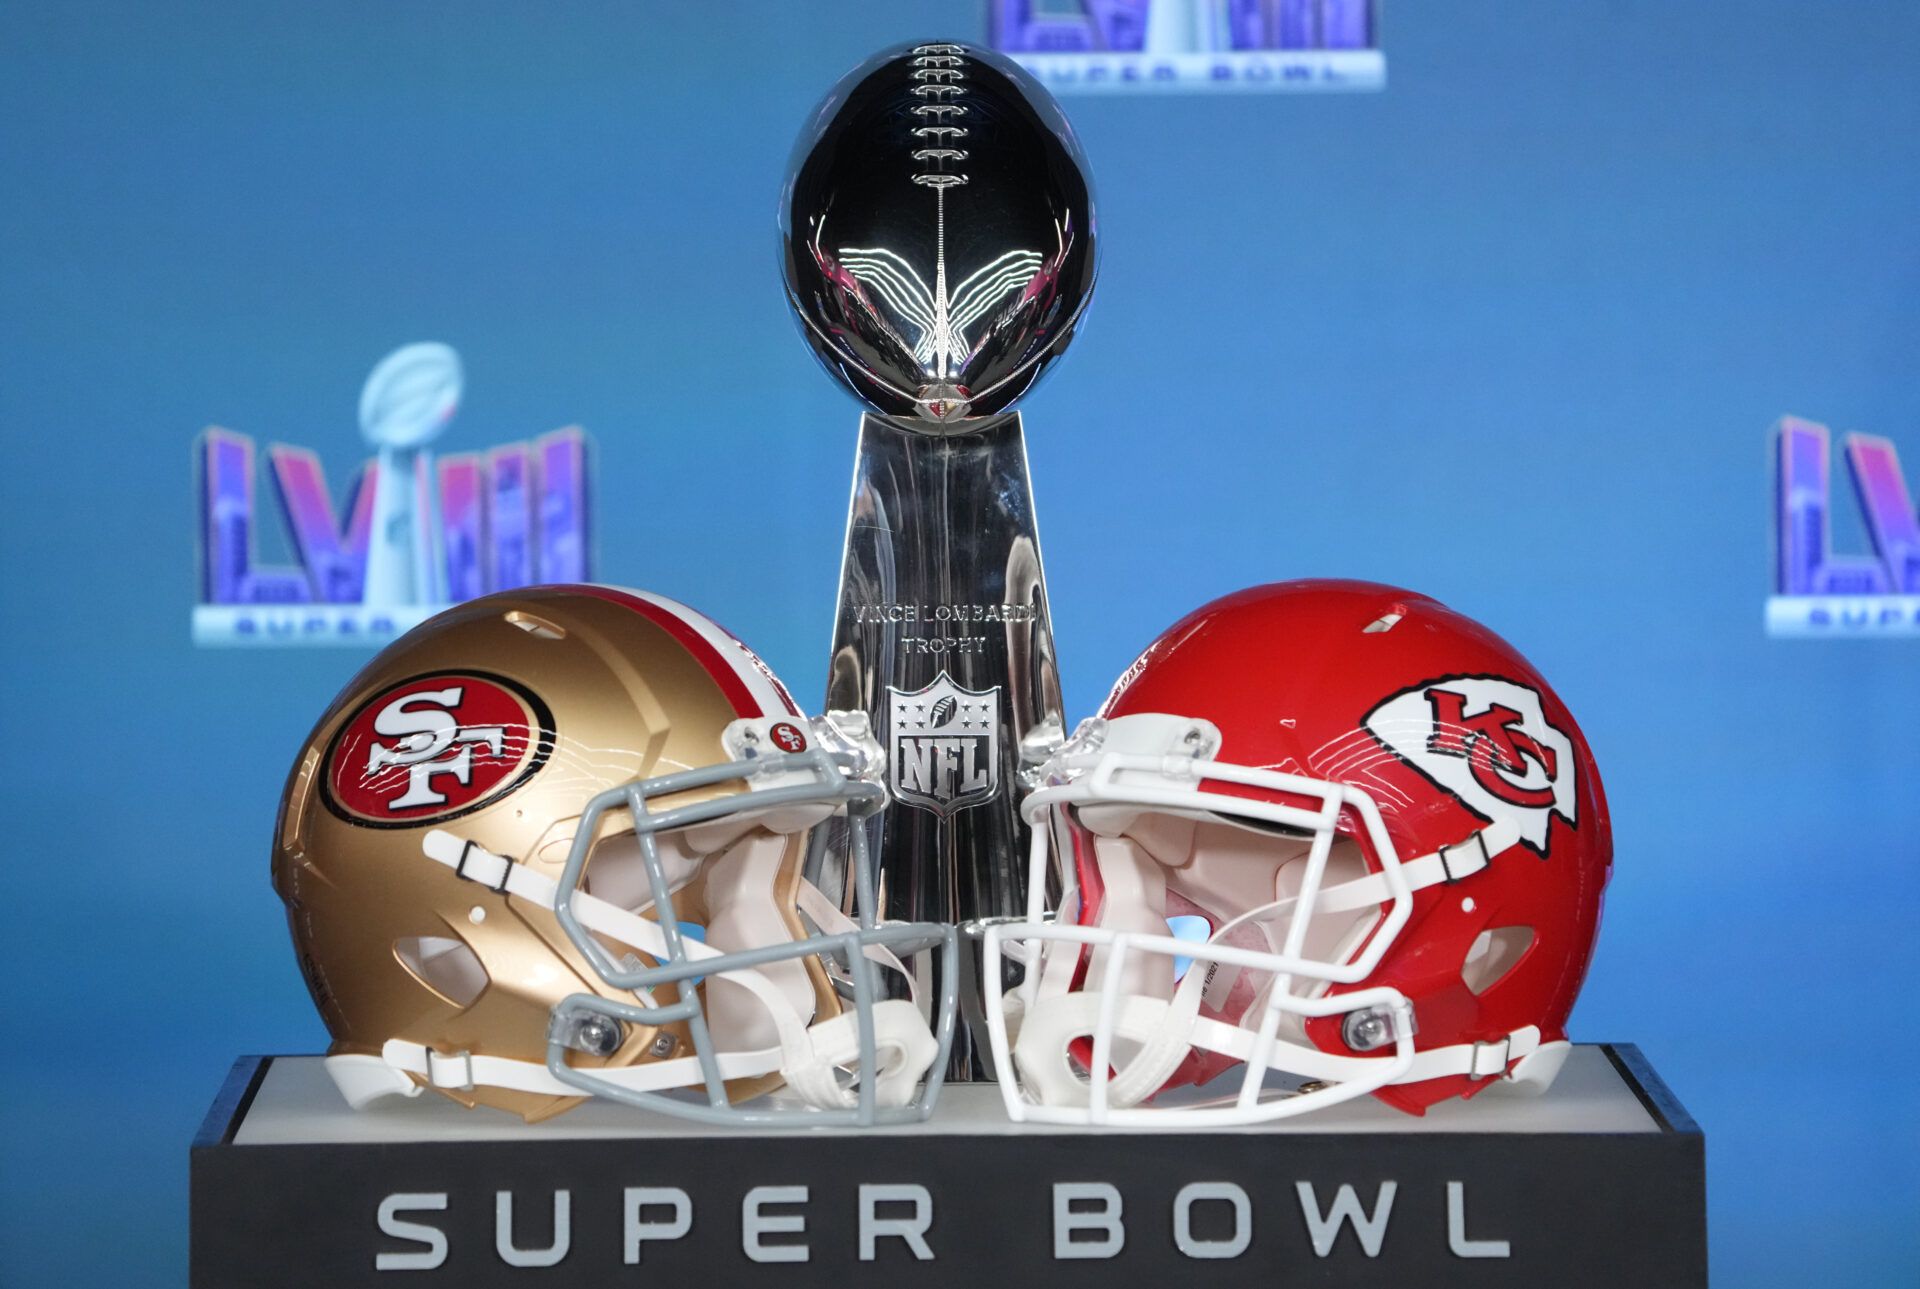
(748, 683)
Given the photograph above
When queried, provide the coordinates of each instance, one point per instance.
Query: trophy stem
(943, 638)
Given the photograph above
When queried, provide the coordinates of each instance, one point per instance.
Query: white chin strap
(810, 1059)
(1156, 1035)
(1164, 1036)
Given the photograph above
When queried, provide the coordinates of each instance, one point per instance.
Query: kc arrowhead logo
(943, 745)
(1486, 740)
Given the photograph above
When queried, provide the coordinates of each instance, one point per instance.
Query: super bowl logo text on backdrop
(413, 533)
(943, 745)
(1816, 591)
(1128, 45)
(1486, 740)
(435, 747)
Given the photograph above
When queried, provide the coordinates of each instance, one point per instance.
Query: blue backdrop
(1513, 333)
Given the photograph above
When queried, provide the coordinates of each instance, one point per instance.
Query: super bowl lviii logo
(1817, 591)
(1105, 46)
(413, 534)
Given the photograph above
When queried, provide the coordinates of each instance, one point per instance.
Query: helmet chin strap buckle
(1490, 1059)
(1535, 1072)
(1467, 865)
(460, 1061)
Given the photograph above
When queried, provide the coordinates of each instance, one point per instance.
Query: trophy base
(1601, 1182)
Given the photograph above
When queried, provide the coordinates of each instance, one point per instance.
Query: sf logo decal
(425, 729)
(434, 747)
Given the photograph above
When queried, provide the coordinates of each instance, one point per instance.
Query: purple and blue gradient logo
(1817, 592)
(413, 534)
(1125, 46)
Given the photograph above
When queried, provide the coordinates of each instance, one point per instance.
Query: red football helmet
(1330, 831)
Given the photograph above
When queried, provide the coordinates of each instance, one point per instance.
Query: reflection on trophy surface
(938, 248)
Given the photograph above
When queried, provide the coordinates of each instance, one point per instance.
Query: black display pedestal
(1602, 1182)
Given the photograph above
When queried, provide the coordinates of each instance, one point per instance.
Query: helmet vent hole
(448, 967)
(1493, 955)
(1386, 621)
(537, 627)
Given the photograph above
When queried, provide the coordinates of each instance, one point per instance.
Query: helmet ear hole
(1493, 954)
(447, 967)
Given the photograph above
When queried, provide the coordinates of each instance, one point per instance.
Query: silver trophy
(938, 246)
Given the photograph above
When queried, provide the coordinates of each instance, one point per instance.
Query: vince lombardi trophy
(405, 404)
(938, 248)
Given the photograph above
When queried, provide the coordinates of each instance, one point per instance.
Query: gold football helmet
(549, 844)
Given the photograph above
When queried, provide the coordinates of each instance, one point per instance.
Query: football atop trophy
(411, 395)
(938, 232)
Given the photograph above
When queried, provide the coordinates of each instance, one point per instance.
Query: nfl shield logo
(943, 745)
